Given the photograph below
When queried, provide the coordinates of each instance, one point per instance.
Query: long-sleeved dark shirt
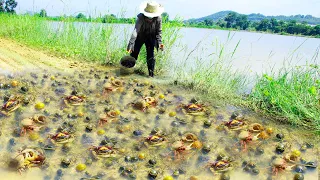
(144, 29)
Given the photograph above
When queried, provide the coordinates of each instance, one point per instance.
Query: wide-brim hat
(151, 9)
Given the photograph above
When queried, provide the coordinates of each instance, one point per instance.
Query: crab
(74, 100)
(114, 85)
(180, 148)
(291, 158)
(145, 103)
(256, 128)
(189, 138)
(193, 109)
(103, 118)
(11, 105)
(280, 164)
(220, 166)
(61, 138)
(246, 137)
(155, 140)
(32, 124)
(28, 158)
(235, 125)
(103, 151)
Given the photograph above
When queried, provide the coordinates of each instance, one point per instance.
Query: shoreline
(214, 28)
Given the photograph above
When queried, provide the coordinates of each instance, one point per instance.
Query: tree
(273, 24)
(315, 31)
(43, 13)
(221, 23)
(8, 6)
(241, 22)
(165, 17)
(264, 25)
(109, 18)
(230, 19)
(208, 22)
(81, 16)
(2, 9)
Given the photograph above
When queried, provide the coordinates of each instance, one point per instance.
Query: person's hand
(129, 51)
(162, 47)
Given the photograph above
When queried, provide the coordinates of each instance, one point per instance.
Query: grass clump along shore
(290, 95)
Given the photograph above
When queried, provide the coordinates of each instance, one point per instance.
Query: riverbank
(291, 95)
(253, 31)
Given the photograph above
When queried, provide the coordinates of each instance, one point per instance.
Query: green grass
(215, 78)
(93, 43)
(292, 95)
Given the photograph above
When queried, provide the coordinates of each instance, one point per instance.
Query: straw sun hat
(151, 9)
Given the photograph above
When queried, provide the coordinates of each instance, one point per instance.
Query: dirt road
(15, 57)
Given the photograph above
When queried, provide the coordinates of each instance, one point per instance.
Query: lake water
(255, 52)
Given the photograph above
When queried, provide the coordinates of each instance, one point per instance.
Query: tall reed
(94, 42)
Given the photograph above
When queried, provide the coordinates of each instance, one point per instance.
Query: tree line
(109, 18)
(8, 6)
(237, 21)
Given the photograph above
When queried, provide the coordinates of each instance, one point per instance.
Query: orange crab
(245, 138)
(193, 109)
(28, 158)
(103, 151)
(32, 124)
(145, 103)
(235, 124)
(74, 100)
(155, 140)
(220, 166)
(10, 106)
(113, 86)
(61, 138)
(180, 148)
(109, 115)
(279, 165)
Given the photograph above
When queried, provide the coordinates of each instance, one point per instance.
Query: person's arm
(159, 33)
(134, 35)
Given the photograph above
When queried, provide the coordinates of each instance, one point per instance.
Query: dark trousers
(150, 44)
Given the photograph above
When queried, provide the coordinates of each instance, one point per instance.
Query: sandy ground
(15, 57)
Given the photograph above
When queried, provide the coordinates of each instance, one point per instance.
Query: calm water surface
(255, 53)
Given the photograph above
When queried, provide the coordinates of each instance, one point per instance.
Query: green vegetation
(241, 22)
(292, 95)
(109, 18)
(92, 42)
(258, 17)
(215, 78)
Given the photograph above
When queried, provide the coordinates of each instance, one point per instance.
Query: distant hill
(258, 17)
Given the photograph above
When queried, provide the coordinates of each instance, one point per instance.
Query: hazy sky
(183, 8)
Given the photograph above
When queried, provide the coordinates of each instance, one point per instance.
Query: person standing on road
(148, 31)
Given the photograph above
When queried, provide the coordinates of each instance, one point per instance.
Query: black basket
(128, 61)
